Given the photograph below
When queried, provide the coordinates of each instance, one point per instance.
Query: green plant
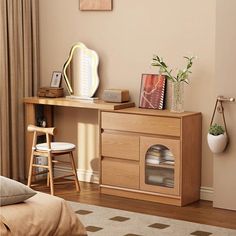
(182, 75)
(216, 130)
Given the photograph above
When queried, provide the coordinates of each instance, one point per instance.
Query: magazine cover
(152, 91)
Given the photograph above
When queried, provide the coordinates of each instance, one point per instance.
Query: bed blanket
(40, 215)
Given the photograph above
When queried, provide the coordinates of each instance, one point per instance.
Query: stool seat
(56, 147)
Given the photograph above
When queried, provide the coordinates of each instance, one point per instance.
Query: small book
(152, 92)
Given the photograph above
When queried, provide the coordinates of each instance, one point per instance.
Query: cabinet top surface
(68, 102)
(153, 112)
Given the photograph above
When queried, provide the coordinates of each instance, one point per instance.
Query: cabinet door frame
(175, 148)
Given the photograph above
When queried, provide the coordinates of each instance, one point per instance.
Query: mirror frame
(95, 63)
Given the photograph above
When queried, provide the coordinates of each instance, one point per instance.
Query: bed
(40, 215)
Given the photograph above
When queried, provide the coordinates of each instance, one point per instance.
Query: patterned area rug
(103, 221)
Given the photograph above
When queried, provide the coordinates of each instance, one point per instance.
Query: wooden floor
(199, 212)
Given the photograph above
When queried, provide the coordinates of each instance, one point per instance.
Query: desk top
(68, 102)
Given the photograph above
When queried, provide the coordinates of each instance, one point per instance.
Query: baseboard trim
(83, 175)
(206, 193)
(88, 176)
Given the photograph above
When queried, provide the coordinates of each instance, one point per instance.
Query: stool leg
(74, 172)
(50, 174)
(48, 179)
(30, 168)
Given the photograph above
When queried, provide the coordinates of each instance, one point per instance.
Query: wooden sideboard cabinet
(151, 155)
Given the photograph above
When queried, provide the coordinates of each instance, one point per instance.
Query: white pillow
(12, 192)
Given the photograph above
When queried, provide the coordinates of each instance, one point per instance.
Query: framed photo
(56, 79)
(152, 91)
(95, 5)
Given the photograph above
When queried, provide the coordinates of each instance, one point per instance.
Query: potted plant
(217, 138)
(177, 81)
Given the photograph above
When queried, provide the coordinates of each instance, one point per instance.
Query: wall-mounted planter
(217, 137)
(218, 143)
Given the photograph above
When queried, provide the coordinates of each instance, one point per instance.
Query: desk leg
(29, 119)
(48, 114)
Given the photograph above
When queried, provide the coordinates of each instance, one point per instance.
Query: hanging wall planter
(217, 138)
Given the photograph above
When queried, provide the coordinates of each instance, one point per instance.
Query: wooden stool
(50, 150)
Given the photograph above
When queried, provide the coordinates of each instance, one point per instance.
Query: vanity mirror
(81, 72)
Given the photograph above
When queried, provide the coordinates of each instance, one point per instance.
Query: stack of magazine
(158, 154)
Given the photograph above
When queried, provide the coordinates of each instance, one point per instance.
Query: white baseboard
(83, 175)
(88, 176)
(206, 193)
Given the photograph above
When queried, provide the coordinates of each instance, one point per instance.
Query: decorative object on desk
(56, 79)
(81, 72)
(95, 5)
(152, 91)
(115, 95)
(217, 136)
(177, 101)
(50, 92)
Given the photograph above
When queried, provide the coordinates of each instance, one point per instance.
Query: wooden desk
(48, 103)
(126, 138)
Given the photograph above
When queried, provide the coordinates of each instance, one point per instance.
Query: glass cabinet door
(159, 169)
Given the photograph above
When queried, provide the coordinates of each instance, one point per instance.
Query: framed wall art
(152, 91)
(95, 5)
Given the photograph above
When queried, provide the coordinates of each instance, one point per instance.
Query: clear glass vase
(177, 97)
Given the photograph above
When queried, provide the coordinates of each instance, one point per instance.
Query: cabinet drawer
(141, 123)
(120, 146)
(120, 173)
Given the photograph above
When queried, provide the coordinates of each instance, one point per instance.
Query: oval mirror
(81, 72)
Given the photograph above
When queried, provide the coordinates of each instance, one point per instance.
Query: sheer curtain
(19, 77)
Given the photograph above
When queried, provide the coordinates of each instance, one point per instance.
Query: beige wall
(125, 39)
(225, 164)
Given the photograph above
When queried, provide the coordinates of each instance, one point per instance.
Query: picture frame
(56, 79)
(95, 5)
(152, 91)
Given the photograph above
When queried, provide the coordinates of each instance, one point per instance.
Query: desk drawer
(120, 173)
(122, 146)
(141, 123)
